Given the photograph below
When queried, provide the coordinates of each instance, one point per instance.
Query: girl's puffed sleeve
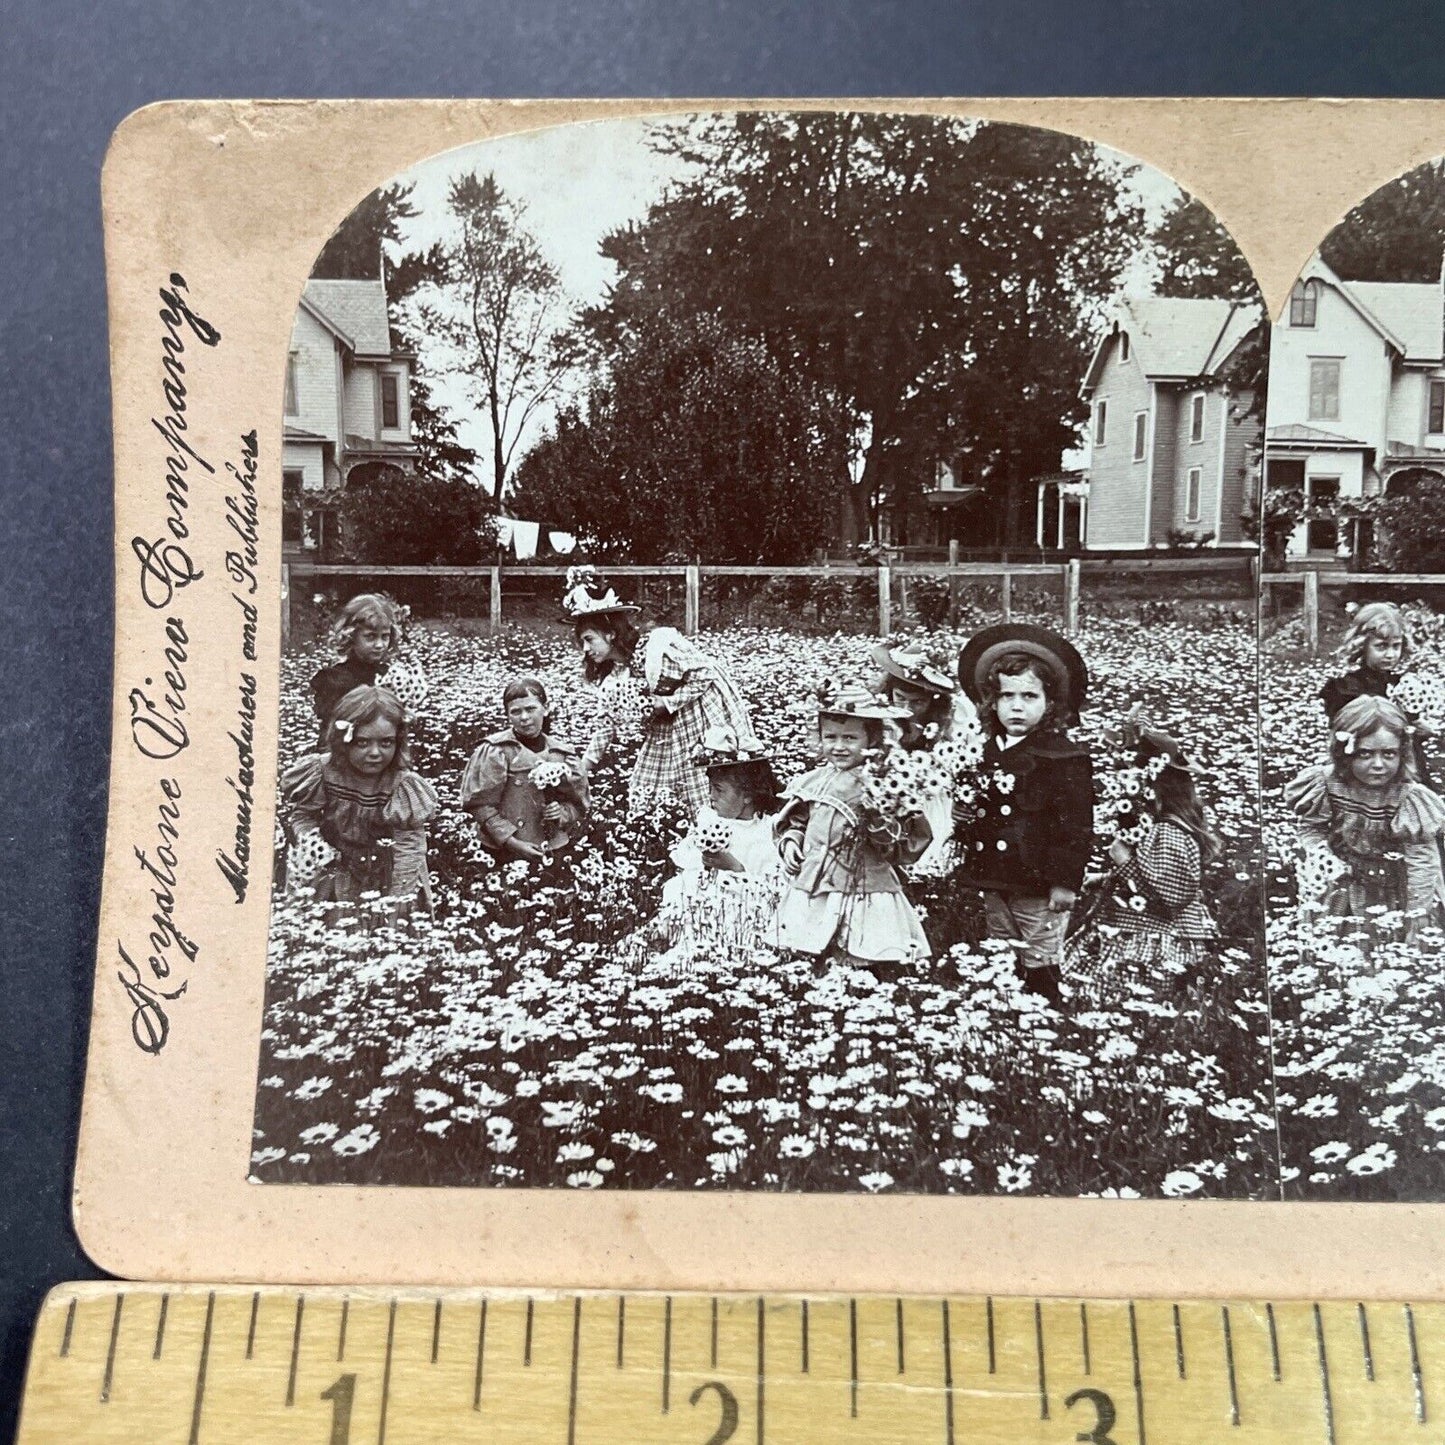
(575, 798)
(1307, 796)
(303, 789)
(482, 786)
(1421, 815)
(413, 802)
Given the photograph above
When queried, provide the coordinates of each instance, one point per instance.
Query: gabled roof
(1176, 338)
(354, 309)
(1317, 270)
(1413, 310)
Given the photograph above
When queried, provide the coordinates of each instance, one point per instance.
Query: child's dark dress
(1369, 682)
(332, 684)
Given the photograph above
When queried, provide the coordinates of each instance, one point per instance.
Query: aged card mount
(215, 215)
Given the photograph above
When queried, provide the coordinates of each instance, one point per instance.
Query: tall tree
(1397, 233)
(497, 303)
(368, 240)
(1198, 257)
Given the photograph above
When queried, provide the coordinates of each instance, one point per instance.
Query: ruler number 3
(728, 1425)
(1104, 1416)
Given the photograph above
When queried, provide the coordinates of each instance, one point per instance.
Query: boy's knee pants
(1029, 922)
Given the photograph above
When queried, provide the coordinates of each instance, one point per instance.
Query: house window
(1196, 417)
(1322, 533)
(1303, 303)
(1191, 495)
(1101, 422)
(390, 400)
(1123, 346)
(1141, 434)
(292, 409)
(292, 483)
(1324, 390)
(1437, 407)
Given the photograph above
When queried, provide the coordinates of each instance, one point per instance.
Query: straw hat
(912, 667)
(586, 595)
(1055, 653)
(854, 700)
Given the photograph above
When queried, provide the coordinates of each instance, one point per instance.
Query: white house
(1170, 443)
(1356, 396)
(347, 406)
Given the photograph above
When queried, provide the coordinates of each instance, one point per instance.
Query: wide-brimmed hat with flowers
(1043, 645)
(1155, 744)
(852, 699)
(586, 595)
(907, 665)
(722, 752)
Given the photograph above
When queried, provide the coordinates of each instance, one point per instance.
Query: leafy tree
(399, 520)
(1409, 527)
(497, 303)
(1397, 233)
(696, 445)
(1199, 258)
(366, 241)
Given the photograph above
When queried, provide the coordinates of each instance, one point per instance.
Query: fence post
(1071, 597)
(1312, 612)
(952, 582)
(1006, 595)
(494, 606)
(885, 600)
(285, 604)
(691, 599)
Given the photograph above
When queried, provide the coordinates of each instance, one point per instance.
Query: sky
(577, 183)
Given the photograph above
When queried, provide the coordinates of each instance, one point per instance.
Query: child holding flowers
(358, 814)
(367, 631)
(1028, 835)
(844, 829)
(1369, 830)
(1150, 918)
(525, 790)
(670, 695)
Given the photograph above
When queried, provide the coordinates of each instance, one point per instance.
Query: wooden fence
(1312, 581)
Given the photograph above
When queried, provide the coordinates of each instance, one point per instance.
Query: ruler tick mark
(436, 1331)
(667, 1355)
(295, 1351)
(109, 1379)
(481, 1350)
(762, 1362)
(1416, 1373)
(251, 1330)
(527, 1342)
(1084, 1336)
(1368, 1353)
(853, 1357)
(898, 1317)
(1179, 1362)
(805, 1337)
(341, 1335)
(1039, 1351)
(621, 1326)
(161, 1326)
(947, 1377)
(195, 1435)
(69, 1329)
(1229, 1362)
(572, 1391)
(1273, 1339)
(386, 1374)
(713, 1354)
(1329, 1404)
(992, 1358)
(1138, 1373)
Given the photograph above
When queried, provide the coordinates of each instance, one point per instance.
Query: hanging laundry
(524, 539)
(561, 542)
(504, 531)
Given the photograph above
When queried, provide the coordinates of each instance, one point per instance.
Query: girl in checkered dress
(663, 692)
(1149, 919)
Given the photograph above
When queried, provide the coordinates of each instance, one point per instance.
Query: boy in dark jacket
(1027, 840)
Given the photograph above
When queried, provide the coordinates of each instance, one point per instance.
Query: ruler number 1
(1104, 1416)
(728, 1425)
(341, 1394)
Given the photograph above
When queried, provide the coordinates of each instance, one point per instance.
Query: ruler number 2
(342, 1395)
(728, 1425)
(1104, 1416)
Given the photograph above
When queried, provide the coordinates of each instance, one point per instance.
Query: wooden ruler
(207, 1366)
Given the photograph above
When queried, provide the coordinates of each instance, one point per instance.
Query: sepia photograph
(769, 692)
(1353, 702)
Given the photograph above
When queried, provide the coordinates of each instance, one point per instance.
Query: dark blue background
(70, 72)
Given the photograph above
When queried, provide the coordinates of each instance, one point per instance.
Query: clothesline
(521, 537)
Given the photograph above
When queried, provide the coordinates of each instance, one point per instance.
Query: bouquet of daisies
(896, 785)
(548, 775)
